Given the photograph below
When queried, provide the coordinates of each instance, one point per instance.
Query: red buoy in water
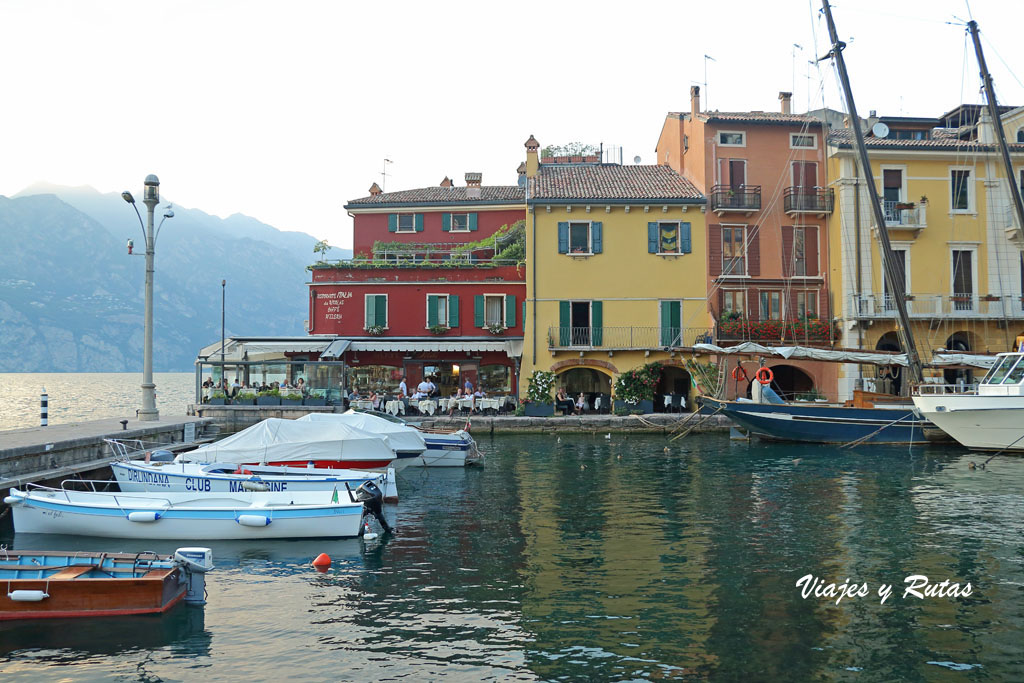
(322, 561)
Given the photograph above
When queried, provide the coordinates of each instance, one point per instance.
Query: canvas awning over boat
(402, 437)
(509, 347)
(861, 357)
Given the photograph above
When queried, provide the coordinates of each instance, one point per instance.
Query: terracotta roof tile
(941, 138)
(611, 181)
(489, 194)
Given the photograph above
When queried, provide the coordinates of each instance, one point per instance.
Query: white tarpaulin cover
(403, 438)
(279, 440)
(865, 357)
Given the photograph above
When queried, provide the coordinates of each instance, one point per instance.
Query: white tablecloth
(394, 407)
(597, 403)
(668, 400)
(362, 404)
(428, 407)
(490, 403)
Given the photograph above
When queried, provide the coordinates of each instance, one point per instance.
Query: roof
(941, 139)
(489, 194)
(770, 118)
(612, 182)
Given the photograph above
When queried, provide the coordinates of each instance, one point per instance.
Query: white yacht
(989, 418)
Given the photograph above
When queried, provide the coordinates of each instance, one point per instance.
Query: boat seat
(73, 572)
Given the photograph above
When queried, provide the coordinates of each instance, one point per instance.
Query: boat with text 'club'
(290, 443)
(54, 584)
(189, 515)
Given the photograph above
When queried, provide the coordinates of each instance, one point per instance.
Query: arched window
(1020, 135)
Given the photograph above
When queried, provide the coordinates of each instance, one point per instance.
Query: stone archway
(889, 380)
(959, 342)
(790, 381)
(674, 382)
(585, 380)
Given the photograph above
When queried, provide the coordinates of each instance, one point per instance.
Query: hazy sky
(286, 110)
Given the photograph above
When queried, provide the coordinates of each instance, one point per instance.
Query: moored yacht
(989, 418)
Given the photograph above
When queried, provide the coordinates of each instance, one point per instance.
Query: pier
(41, 454)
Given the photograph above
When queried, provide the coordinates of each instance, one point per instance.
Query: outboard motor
(196, 562)
(372, 498)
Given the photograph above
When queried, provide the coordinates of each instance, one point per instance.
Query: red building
(435, 288)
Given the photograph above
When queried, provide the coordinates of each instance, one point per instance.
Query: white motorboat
(135, 476)
(988, 418)
(197, 516)
(444, 448)
(328, 445)
(405, 440)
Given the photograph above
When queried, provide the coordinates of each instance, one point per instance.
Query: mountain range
(71, 298)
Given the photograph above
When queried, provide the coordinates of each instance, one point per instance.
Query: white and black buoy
(44, 400)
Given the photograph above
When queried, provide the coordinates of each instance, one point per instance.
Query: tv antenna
(384, 175)
(707, 100)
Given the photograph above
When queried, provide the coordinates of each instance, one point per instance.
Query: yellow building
(954, 234)
(616, 273)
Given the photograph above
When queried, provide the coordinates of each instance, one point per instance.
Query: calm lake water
(77, 396)
(589, 559)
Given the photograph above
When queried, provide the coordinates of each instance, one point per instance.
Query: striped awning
(509, 347)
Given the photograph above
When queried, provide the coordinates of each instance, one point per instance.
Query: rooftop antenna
(707, 100)
(793, 51)
(384, 175)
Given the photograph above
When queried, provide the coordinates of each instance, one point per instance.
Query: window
(732, 172)
(960, 187)
(1020, 135)
(376, 378)
(668, 237)
(443, 310)
(771, 305)
(376, 311)
(806, 304)
(460, 222)
(732, 138)
(799, 251)
(892, 194)
(580, 323)
(406, 222)
(495, 379)
(901, 261)
(493, 310)
(580, 238)
(802, 141)
(734, 301)
(963, 279)
(910, 135)
(734, 252)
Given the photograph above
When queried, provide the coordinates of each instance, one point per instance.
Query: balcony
(744, 199)
(808, 200)
(901, 215)
(795, 331)
(625, 338)
(929, 306)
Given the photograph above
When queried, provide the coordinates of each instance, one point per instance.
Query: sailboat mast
(993, 111)
(906, 336)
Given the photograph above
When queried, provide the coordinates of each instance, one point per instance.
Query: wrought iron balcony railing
(744, 198)
(808, 200)
(626, 338)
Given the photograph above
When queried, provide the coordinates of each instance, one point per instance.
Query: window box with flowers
(767, 330)
(375, 330)
(496, 328)
(439, 329)
(634, 389)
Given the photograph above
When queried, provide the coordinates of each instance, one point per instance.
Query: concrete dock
(40, 454)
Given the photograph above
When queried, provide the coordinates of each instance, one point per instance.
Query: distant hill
(71, 299)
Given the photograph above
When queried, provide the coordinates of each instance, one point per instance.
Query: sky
(284, 111)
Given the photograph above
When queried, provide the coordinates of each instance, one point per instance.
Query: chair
(678, 403)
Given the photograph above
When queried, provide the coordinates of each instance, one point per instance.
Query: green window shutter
(596, 242)
(370, 311)
(418, 222)
(524, 315)
(472, 222)
(446, 222)
(392, 222)
(564, 321)
(563, 238)
(381, 314)
(684, 238)
(431, 310)
(478, 310)
(510, 311)
(596, 323)
(666, 323)
(652, 238)
(453, 310)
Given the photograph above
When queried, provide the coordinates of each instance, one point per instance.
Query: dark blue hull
(824, 424)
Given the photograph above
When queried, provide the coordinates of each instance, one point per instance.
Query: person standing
(403, 389)
(468, 388)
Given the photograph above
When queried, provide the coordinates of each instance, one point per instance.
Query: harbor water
(584, 558)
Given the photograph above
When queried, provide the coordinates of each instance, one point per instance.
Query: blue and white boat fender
(254, 484)
(13, 500)
(143, 516)
(253, 520)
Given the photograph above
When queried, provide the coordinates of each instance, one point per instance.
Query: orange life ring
(739, 374)
(765, 375)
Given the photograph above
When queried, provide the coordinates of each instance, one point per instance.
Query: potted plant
(902, 206)
(375, 330)
(438, 329)
(317, 397)
(496, 328)
(291, 397)
(270, 397)
(538, 401)
(245, 398)
(634, 389)
(218, 398)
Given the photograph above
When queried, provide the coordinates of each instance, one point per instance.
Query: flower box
(291, 401)
(646, 407)
(268, 400)
(532, 409)
(217, 402)
(314, 401)
(243, 401)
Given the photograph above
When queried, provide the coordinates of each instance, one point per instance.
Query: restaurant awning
(335, 349)
(509, 347)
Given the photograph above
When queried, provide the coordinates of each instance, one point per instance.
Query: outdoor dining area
(497, 405)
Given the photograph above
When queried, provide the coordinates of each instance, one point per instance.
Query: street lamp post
(150, 197)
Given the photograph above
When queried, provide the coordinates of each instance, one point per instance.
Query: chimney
(786, 99)
(522, 169)
(447, 182)
(473, 181)
(532, 161)
(375, 190)
(694, 100)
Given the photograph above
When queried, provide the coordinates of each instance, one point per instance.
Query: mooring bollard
(43, 401)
